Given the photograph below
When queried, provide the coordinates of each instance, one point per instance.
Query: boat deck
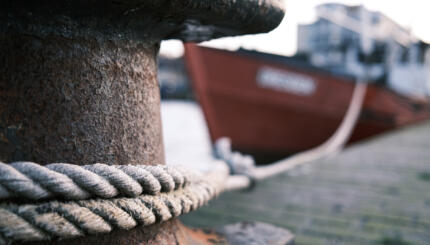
(375, 192)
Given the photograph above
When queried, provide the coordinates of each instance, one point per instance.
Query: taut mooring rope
(245, 166)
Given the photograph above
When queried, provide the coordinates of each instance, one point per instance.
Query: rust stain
(192, 236)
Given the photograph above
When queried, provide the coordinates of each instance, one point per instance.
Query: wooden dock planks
(375, 192)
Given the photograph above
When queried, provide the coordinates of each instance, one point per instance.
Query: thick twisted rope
(26, 180)
(171, 191)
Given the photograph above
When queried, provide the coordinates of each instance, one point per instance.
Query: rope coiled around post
(27, 180)
(104, 197)
(156, 194)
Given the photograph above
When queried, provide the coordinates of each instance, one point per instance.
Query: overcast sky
(413, 14)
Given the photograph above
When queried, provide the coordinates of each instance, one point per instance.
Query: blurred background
(373, 193)
(339, 27)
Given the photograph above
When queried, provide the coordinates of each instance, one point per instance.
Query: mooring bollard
(78, 81)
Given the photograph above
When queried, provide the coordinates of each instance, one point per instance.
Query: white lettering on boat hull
(285, 81)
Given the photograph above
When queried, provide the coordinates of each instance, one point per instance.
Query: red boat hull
(271, 121)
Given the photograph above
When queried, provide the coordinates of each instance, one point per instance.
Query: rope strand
(63, 220)
(30, 181)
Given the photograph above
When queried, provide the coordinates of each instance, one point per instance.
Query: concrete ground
(375, 192)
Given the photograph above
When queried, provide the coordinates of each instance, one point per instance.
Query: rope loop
(101, 198)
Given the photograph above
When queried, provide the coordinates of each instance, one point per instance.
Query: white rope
(334, 144)
(27, 180)
(243, 165)
(53, 220)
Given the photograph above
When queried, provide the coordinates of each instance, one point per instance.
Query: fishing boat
(272, 106)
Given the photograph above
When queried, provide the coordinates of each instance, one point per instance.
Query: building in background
(350, 40)
(364, 43)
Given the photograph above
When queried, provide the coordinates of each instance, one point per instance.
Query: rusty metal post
(79, 100)
(78, 80)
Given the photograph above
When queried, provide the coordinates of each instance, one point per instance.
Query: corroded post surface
(78, 80)
(79, 100)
